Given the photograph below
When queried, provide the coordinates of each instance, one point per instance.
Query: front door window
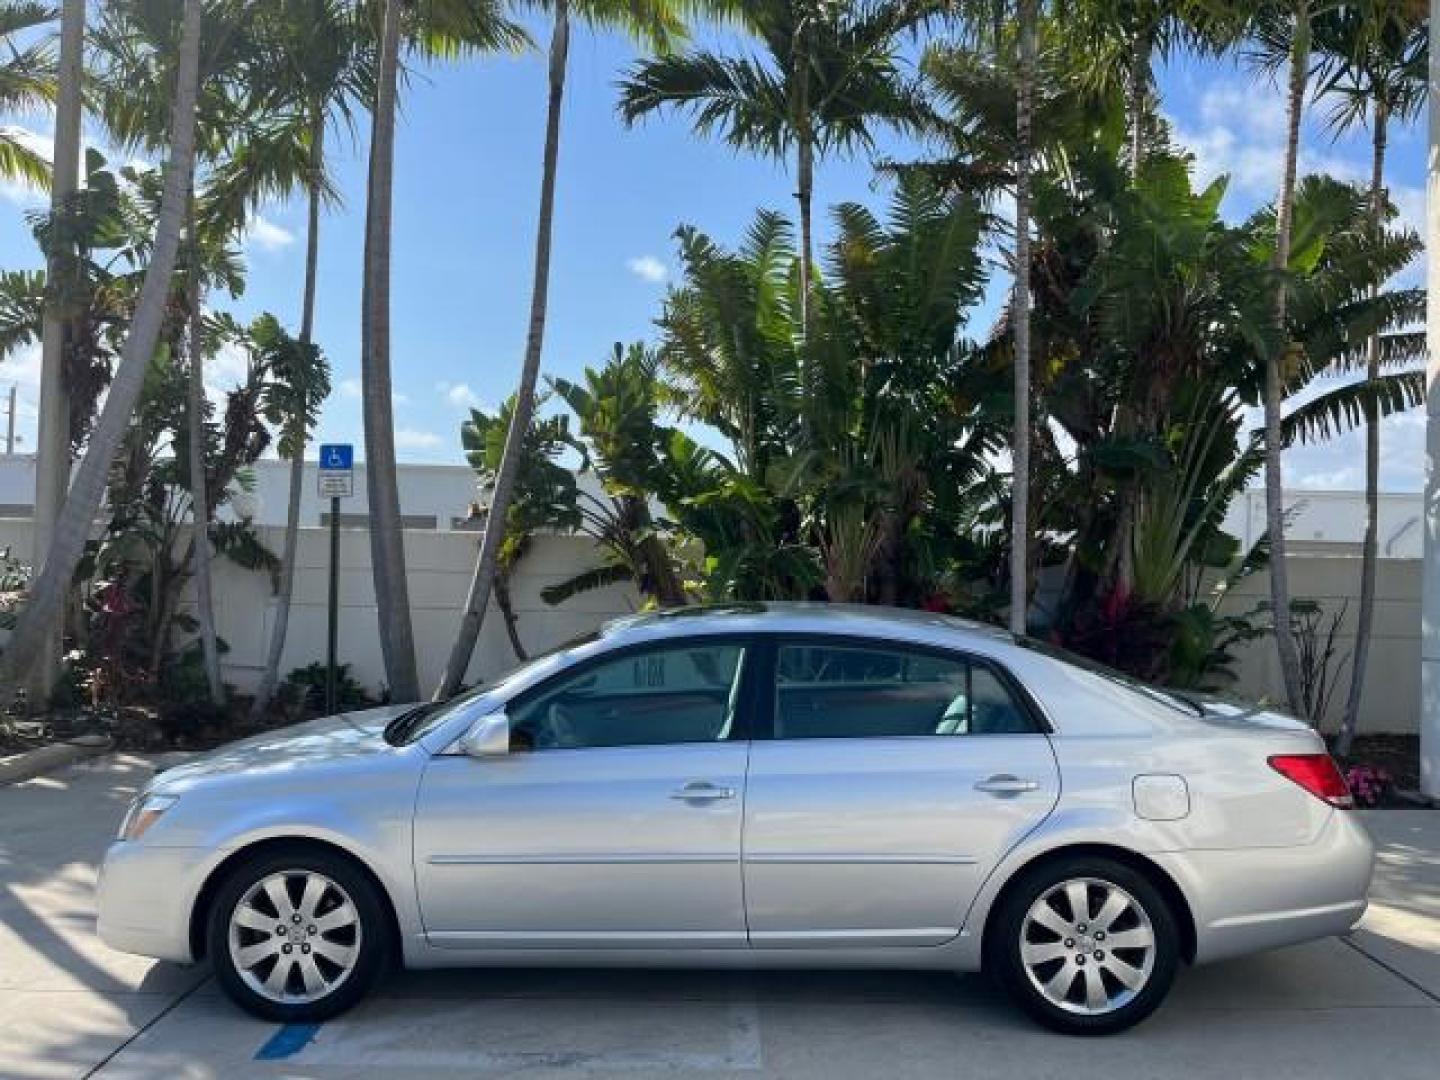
(650, 697)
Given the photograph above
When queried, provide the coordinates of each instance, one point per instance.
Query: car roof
(801, 617)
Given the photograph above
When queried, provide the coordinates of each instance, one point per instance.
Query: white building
(1332, 522)
(439, 497)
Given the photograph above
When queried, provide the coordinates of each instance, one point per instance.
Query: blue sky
(466, 188)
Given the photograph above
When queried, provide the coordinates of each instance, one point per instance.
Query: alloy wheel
(1087, 946)
(295, 936)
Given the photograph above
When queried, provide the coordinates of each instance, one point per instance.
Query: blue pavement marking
(289, 1040)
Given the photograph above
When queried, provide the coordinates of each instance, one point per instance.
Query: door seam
(744, 821)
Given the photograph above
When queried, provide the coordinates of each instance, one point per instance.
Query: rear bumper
(1248, 900)
(144, 897)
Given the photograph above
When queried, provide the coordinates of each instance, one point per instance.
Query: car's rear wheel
(1087, 946)
(297, 935)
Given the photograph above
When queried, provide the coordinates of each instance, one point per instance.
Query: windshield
(1173, 699)
(418, 722)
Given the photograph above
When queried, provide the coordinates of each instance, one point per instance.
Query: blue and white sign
(337, 470)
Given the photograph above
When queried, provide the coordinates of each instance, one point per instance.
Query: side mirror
(488, 737)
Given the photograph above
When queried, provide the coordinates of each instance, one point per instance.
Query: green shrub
(307, 684)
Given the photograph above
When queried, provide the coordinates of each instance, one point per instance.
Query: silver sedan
(764, 785)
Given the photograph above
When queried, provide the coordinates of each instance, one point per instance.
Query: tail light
(1316, 773)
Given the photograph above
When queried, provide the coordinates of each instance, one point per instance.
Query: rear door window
(832, 691)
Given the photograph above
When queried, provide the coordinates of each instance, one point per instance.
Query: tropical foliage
(824, 410)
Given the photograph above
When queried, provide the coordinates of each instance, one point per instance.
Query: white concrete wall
(440, 565)
(1391, 700)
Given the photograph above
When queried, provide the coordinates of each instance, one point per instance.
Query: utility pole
(10, 425)
(1430, 586)
(52, 444)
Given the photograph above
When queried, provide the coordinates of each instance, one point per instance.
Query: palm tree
(1284, 35)
(616, 408)
(1123, 38)
(27, 80)
(72, 531)
(132, 101)
(1020, 443)
(387, 538)
(1372, 59)
(301, 383)
(197, 409)
(829, 73)
(321, 75)
(657, 23)
(52, 452)
(453, 29)
(546, 494)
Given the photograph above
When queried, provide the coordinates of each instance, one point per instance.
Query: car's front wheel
(1087, 946)
(297, 936)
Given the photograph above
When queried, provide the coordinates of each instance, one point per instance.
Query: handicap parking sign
(337, 456)
(337, 475)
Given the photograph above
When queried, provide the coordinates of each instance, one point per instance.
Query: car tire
(298, 935)
(1084, 973)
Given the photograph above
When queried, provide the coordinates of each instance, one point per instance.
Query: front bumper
(1250, 899)
(145, 895)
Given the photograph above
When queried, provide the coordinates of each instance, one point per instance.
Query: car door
(614, 822)
(892, 780)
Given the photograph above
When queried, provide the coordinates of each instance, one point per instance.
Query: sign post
(337, 481)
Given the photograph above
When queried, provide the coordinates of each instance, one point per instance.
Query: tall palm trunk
(507, 611)
(1369, 554)
(483, 581)
(47, 592)
(1137, 77)
(387, 536)
(1275, 377)
(1020, 444)
(270, 678)
(199, 496)
(804, 195)
(52, 465)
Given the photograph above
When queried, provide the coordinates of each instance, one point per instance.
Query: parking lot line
(289, 1040)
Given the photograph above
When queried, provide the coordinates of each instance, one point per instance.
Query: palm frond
(600, 577)
(1344, 408)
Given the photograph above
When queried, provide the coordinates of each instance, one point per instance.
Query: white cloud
(227, 369)
(414, 439)
(458, 394)
(1241, 133)
(1339, 464)
(648, 268)
(22, 367)
(1409, 200)
(354, 389)
(266, 235)
(1258, 106)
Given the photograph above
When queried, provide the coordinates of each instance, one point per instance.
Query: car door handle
(702, 791)
(1005, 784)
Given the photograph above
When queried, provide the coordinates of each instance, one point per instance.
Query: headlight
(143, 813)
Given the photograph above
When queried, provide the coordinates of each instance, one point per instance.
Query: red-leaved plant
(1369, 784)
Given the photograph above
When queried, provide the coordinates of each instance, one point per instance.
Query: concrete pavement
(70, 1007)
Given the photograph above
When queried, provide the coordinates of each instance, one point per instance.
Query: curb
(44, 759)
(1415, 798)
